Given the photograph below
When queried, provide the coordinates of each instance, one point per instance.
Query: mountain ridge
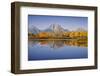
(56, 28)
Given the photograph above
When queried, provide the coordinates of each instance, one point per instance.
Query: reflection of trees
(32, 42)
(79, 43)
(57, 43)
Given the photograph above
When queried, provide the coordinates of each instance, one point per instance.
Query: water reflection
(49, 49)
(57, 43)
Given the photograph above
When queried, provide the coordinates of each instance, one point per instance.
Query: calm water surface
(56, 49)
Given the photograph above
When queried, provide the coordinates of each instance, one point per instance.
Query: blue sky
(67, 22)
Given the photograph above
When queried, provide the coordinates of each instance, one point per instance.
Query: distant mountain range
(56, 28)
(34, 30)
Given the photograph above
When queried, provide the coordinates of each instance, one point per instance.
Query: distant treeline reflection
(57, 43)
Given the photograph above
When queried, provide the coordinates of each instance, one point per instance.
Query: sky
(67, 22)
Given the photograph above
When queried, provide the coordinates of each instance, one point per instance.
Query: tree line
(62, 35)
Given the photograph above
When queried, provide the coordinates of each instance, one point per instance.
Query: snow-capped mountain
(34, 30)
(56, 28)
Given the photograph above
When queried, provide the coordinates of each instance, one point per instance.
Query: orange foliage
(43, 35)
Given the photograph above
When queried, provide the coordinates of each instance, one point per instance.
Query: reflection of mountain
(56, 44)
(59, 43)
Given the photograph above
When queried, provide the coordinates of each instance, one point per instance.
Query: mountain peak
(33, 30)
(56, 28)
